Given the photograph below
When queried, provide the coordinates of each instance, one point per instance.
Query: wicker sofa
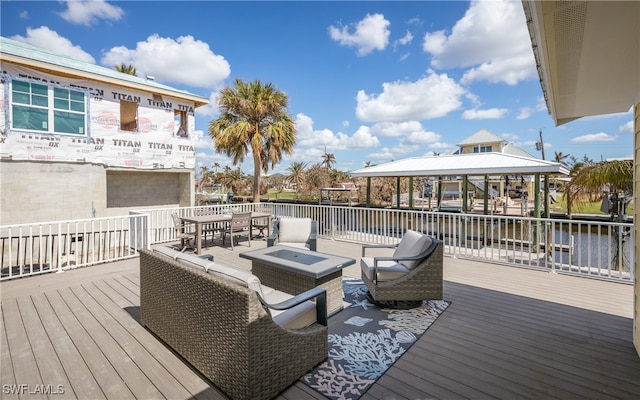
(251, 341)
(412, 273)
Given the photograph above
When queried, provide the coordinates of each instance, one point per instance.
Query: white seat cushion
(302, 245)
(294, 230)
(167, 251)
(300, 316)
(412, 244)
(387, 270)
(246, 279)
(297, 317)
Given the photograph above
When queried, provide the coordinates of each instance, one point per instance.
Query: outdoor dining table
(205, 219)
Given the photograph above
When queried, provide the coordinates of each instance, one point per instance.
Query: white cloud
(627, 128)
(307, 136)
(384, 154)
(509, 136)
(406, 39)
(525, 112)
(423, 137)
(593, 137)
(184, 60)
(490, 113)
(204, 141)
(89, 12)
(493, 36)
(391, 129)
(49, 40)
(211, 110)
(430, 97)
(369, 34)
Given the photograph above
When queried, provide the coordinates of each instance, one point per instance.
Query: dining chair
(239, 225)
(182, 233)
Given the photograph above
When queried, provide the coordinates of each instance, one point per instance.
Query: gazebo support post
(465, 191)
(536, 210)
(398, 192)
(411, 193)
(547, 200)
(368, 192)
(439, 199)
(486, 195)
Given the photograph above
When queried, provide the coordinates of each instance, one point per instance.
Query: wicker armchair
(409, 277)
(224, 329)
(294, 232)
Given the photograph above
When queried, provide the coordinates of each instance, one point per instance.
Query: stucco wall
(45, 191)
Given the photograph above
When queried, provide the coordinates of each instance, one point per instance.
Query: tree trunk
(256, 176)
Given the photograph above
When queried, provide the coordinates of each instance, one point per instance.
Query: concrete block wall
(44, 191)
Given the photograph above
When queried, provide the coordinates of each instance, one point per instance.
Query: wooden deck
(510, 333)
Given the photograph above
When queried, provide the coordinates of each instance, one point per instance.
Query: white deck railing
(587, 248)
(32, 249)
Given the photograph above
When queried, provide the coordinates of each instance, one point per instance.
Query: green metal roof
(12, 50)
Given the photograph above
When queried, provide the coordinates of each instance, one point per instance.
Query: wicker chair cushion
(295, 230)
(232, 275)
(194, 261)
(167, 251)
(412, 243)
(300, 316)
(297, 317)
(185, 259)
(302, 245)
(387, 270)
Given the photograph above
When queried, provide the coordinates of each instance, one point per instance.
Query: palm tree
(253, 117)
(296, 174)
(126, 69)
(618, 175)
(234, 179)
(328, 159)
(204, 172)
(560, 156)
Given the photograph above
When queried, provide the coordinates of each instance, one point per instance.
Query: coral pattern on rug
(365, 340)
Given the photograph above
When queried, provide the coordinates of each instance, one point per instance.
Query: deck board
(91, 352)
(81, 380)
(25, 368)
(509, 333)
(49, 366)
(6, 367)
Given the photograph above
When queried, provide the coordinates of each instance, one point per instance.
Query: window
(482, 149)
(48, 109)
(128, 115)
(68, 111)
(180, 123)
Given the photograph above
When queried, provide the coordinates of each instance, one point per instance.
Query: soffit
(588, 55)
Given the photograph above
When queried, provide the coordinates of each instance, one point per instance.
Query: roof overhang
(476, 164)
(587, 55)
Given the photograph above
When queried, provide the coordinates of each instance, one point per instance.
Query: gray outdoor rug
(365, 340)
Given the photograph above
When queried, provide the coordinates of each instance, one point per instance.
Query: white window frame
(52, 109)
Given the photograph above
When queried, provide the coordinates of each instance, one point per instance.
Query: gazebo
(466, 165)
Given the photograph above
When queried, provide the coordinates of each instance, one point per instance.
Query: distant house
(484, 141)
(78, 140)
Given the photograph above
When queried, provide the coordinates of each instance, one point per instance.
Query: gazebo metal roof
(473, 164)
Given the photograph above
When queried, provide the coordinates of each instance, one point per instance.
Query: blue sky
(369, 81)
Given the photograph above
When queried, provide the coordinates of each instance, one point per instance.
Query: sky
(367, 81)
